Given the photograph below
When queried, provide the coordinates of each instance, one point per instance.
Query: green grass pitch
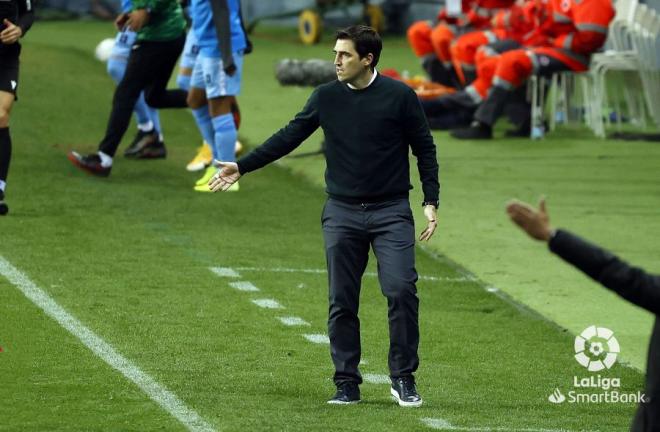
(130, 257)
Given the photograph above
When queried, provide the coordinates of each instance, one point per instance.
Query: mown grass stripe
(324, 271)
(157, 392)
(442, 424)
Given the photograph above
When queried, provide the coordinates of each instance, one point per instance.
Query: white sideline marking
(442, 424)
(225, 272)
(243, 286)
(293, 321)
(437, 423)
(376, 378)
(158, 393)
(492, 289)
(267, 304)
(370, 274)
(317, 338)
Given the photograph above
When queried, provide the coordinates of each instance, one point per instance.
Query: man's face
(348, 64)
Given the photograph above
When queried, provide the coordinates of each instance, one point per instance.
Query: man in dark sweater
(633, 284)
(369, 122)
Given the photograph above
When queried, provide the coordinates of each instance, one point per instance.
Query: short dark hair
(366, 40)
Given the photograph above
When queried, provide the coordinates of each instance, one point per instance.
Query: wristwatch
(435, 203)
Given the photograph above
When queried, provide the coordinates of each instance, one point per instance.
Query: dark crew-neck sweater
(367, 135)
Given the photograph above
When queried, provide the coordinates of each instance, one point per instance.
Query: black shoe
(90, 163)
(523, 131)
(475, 131)
(154, 150)
(347, 393)
(141, 140)
(404, 391)
(4, 209)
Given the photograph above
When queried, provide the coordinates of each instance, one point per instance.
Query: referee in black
(16, 18)
(369, 122)
(631, 283)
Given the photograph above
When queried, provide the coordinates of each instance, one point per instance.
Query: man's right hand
(226, 176)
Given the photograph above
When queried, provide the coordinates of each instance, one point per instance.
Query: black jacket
(636, 286)
(19, 12)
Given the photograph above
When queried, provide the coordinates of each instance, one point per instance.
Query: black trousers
(349, 230)
(149, 68)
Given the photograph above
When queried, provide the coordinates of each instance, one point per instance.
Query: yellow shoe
(203, 158)
(238, 148)
(202, 188)
(204, 180)
(233, 188)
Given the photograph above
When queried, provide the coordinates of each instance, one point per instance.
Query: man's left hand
(137, 19)
(432, 217)
(536, 223)
(11, 34)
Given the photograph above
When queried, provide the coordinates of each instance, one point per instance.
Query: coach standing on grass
(633, 284)
(369, 121)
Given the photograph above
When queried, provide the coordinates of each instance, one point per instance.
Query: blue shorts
(208, 74)
(123, 43)
(190, 51)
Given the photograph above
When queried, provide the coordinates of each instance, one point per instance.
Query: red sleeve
(591, 19)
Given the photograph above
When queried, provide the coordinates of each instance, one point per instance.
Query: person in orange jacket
(514, 24)
(571, 32)
(432, 44)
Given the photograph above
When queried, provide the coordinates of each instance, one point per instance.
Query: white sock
(146, 127)
(160, 137)
(3, 185)
(106, 160)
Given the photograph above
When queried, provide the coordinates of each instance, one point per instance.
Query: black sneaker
(90, 163)
(523, 131)
(154, 150)
(347, 393)
(476, 131)
(141, 140)
(4, 209)
(404, 391)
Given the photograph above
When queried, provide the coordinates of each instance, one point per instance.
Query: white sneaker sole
(395, 396)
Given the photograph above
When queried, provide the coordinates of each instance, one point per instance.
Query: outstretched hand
(11, 33)
(226, 176)
(432, 217)
(536, 223)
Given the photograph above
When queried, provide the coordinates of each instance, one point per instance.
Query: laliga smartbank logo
(596, 349)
